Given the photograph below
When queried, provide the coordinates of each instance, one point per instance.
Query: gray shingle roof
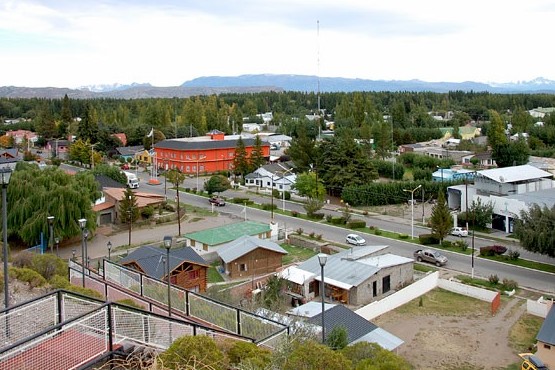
(547, 331)
(129, 150)
(149, 258)
(244, 245)
(356, 325)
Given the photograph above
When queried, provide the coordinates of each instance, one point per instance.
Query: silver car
(355, 239)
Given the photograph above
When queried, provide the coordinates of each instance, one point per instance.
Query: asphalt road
(531, 279)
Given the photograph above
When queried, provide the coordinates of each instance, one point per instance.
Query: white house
(278, 176)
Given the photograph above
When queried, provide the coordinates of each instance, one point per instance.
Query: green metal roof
(227, 233)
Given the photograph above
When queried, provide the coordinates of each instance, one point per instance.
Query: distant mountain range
(270, 82)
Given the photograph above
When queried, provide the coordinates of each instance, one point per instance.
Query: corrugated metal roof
(514, 173)
(547, 331)
(227, 233)
(382, 337)
(352, 267)
(149, 258)
(244, 245)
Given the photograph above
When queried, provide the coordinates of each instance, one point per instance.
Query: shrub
(169, 207)
(23, 259)
(48, 265)
(299, 231)
(498, 249)
(318, 236)
(356, 224)
(365, 213)
(249, 355)
(276, 193)
(294, 213)
(338, 220)
(377, 231)
(147, 212)
(29, 276)
(509, 284)
(514, 255)
(269, 206)
(240, 200)
(494, 279)
(201, 349)
(428, 239)
(403, 236)
(446, 244)
(486, 251)
(461, 244)
(312, 234)
(59, 282)
(317, 216)
(328, 218)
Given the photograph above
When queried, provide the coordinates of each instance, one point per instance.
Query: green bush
(446, 244)
(428, 239)
(461, 244)
(338, 220)
(33, 278)
(59, 282)
(48, 265)
(377, 231)
(403, 236)
(23, 259)
(287, 195)
(276, 193)
(494, 279)
(269, 206)
(147, 212)
(85, 291)
(299, 231)
(241, 201)
(356, 224)
(317, 216)
(509, 284)
(328, 218)
(249, 355)
(294, 213)
(514, 255)
(192, 350)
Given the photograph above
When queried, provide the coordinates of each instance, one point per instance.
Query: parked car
(429, 255)
(459, 231)
(217, 201)
(355, 239)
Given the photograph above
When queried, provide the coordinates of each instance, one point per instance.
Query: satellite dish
(501, 179)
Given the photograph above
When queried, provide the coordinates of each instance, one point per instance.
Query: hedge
(428, 239)
(356, 224)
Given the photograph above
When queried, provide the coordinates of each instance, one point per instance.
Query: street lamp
(50, 220)
(283, 187)
(168, 245)
(412, 209)
(5, 173)
(109, 245)
(86, 237)
(322, 259)
(82, 224)
(129, 215)
(57, 242)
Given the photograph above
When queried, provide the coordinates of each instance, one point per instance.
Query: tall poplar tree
(441, 219)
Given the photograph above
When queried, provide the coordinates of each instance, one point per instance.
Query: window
(546, 346)
(243, 267)
(386, 284)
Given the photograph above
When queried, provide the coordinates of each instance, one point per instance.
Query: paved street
(232, 213)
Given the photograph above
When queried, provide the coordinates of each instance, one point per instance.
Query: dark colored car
(217, 201)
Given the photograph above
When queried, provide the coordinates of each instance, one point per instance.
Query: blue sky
(72, 43)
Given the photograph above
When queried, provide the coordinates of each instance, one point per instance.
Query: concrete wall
(399, 298)
(538, 308)
(399, 277)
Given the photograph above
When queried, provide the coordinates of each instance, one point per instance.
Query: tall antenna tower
(318, 73)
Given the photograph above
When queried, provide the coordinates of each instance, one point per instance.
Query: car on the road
(459, 231)
(355, 239)
(217, 201)
(430, 255)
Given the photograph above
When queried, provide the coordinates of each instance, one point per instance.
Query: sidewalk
(97, 246)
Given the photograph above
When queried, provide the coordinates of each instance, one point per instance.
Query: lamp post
(5, 177)
(73, 254)
(57, 242)
(412, 209)
(50, 220)
(322, 259)
(85, 239)
(168, 245)
(283, 187)
(82, 224)
(272, 196)
(109, 245)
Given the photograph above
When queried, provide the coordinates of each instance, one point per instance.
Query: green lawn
(523, 263)
(296, 254)
(214, 276)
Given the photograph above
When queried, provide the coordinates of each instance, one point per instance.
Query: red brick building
(203, 154)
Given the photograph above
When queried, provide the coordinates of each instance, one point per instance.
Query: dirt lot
(471, 338)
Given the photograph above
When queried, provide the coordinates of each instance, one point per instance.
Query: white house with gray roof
(354, 276)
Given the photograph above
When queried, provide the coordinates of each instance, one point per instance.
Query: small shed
(250, 256)
(187, 268)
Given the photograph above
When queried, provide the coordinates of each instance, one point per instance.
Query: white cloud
(66, 43)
